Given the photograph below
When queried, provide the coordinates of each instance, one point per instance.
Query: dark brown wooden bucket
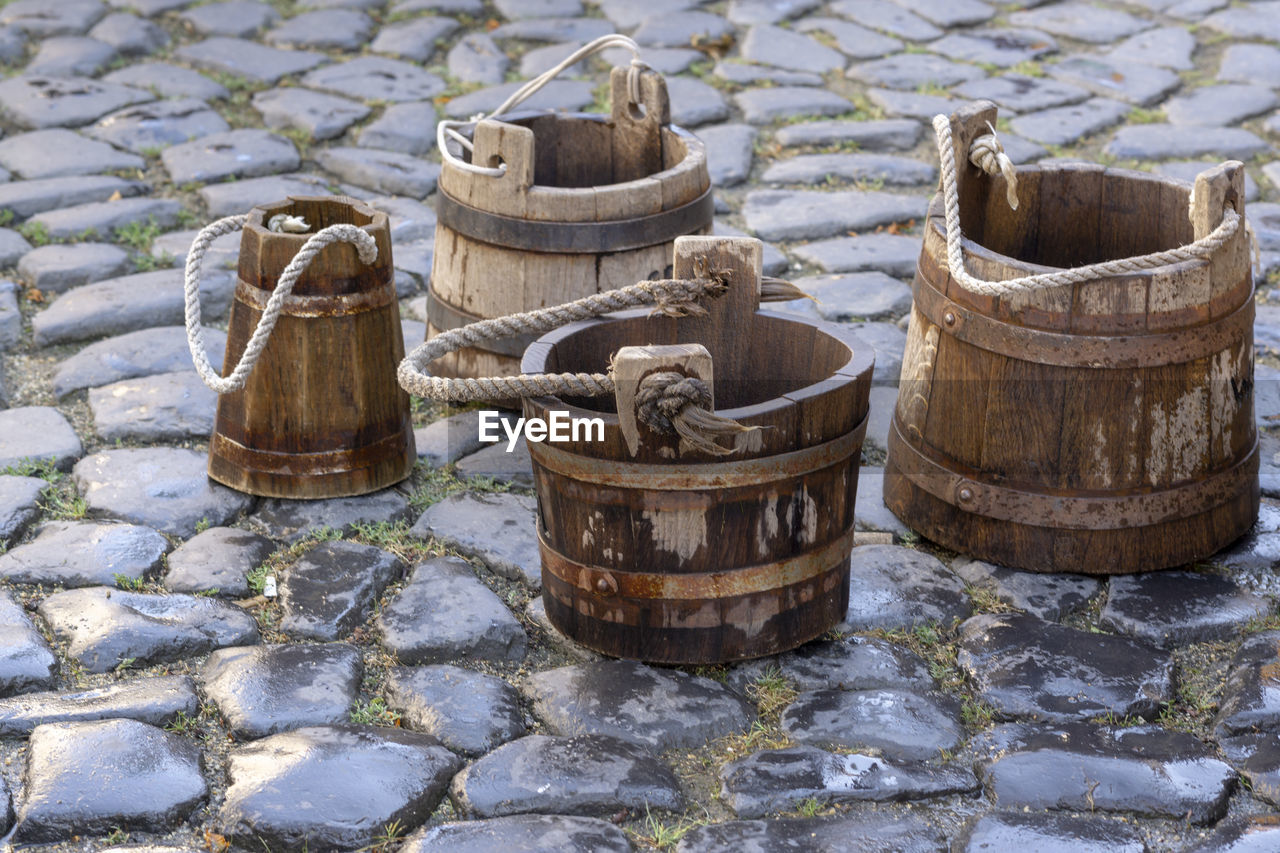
(587, 203)
(1103, 427)
(321, 415)
(657, 552)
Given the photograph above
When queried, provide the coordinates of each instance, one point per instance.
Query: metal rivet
(602, 585)
(949, 318)
(966, 494)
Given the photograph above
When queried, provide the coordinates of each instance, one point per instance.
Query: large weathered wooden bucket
(1101, 427)
(585, 203)
(320, 415)
(656, 551)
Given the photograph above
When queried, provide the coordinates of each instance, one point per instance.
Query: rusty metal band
(714, 475)
(445, 316)
(762, 577)
(318, 306)
(1154, 349)
(575, 238)
(317, 462)
(1069, 512)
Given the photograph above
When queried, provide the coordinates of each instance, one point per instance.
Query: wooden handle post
(726, 329)
(972, 185)
(499, 142)
(637, 134)
(1217, 188)
(633, 364)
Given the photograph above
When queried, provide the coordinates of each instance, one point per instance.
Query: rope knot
(987, 154)
(671, 402)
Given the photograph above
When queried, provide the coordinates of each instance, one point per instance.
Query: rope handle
(987, 153)
(366, 249)
(445, 129)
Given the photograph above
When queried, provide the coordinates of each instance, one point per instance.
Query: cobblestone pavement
(403, 690)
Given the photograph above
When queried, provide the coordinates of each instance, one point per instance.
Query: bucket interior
(320, 213)
(1069, 217)
(784, 355)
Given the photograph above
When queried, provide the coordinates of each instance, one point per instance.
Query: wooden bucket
(587, 203)
(1104, 427)
(656, 552)
(321, 415)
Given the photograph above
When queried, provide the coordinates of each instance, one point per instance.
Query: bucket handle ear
(366, 248)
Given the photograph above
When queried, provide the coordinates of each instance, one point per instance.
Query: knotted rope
(445, 129)
(366, 248)
(673, 402)
(1201, 249)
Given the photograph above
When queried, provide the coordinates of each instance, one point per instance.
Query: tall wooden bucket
(586, 203)
(1103, 427)
(653, 551)
(321, 415)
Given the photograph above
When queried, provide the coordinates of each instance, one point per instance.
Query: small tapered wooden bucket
(586, 203)
(321, 414)
(655, 551)
(1102, 427)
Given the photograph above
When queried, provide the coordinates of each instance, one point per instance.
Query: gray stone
(1250, 63)
(477, 58)
(238, 196)
(1026, 668)
(81, 553)
(332, 787)
(1258, 20)
(747, 12)
(1172, 609)
(896, 587)
(819, 168)
(414, 259)
(37, 433)
(26, 661)
(1167, 142)
(333, 587)
(42, 101)
(515, 9)
(1187, 170)
(164, 487)
(1081, 21)
(415, 39)
(775, 263)
(910, 104)
(665, 60)
(41, 18)
(383, 171)
(70, 56)
(291, 520)
(19, 506)
(155, 700)
(583, 775)
(770, 45)
(444, 614)
(626, 14)
(885, 135)
(410, 220)
(853, 663)
(1047, 595)
(1144, 770)
(102, 218)
(248, 59)
(888, 341)
(730, 148)
(328, 29)
(262, 690)
(1066, 125)
(776, 780)
(1049, 833)
(496, 463)
(558, 94)
(243, 153)
(26, 198)
(1000, 47)
(218, 559)
(1257, 757)
(647, 706)
(58, 152)
(852, 40)
(557, 30)
(1218, 106)
(13, 49)
(1258, 834)
(857, 295)
(86, 778)
(163, 407)
(1251, 700)
(127, 304)
(238, 18)
(12, 247)
(529, 833)
(406, 128)
(10, 316)
(446, 440)
(887, 17)
(904, 725)
(868, 833)
(469, 712)
(1020, 93)
(870, 513)
(376, 78)
(694, 103)
(156, 125)
(951, 13)
(800, 214)
(145, 353)
(168, 81)
(130, 35)
(1129, 81)
(104, 627)
(910, 71)
(745, 74)
(893, 254)
(763, 106)
(148, 7)
(542, 59)
(321, 116)
(1166, 47)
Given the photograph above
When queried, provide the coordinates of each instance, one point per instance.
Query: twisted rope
(673, 402)
(445, 129)
(1201, 249)
(366, 248)
(987, 154)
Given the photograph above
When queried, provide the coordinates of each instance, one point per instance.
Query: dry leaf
(115, 196)
(34, 295)
(214, 842)
(491, 24)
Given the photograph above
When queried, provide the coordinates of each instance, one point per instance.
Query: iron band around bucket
(1040, 509)
(445, 316)
(574, 238)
